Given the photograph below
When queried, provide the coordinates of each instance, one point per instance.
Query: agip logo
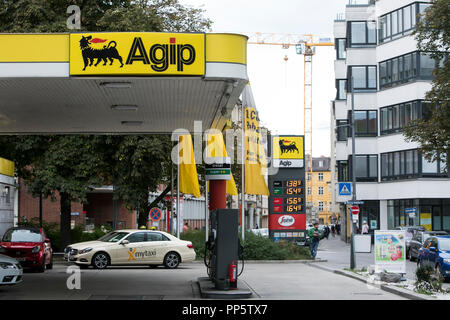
(137, 54)
(287, 151)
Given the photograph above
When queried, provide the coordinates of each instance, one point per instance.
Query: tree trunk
(66, 209)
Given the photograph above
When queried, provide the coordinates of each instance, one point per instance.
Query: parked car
(131, 247)
(417, 241)
(410, 233)
(29, 246)
(10, 271)
(435, 253)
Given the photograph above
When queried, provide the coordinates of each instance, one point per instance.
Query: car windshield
(113, 236)
(22, 235)
(444, 244)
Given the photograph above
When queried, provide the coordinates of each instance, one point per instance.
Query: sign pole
(352, 245)
(243, 175)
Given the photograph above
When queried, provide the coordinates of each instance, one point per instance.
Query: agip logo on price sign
(287, 151)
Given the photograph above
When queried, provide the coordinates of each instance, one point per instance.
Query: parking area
(280, 281)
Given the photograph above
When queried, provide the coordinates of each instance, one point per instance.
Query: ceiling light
(132, 123)
(117, 85)
(124, 107)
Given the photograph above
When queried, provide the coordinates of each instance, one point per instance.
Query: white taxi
(131, 247)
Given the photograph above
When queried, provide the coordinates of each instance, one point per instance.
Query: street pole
(352, 245)
(243, 175)
(178, 190)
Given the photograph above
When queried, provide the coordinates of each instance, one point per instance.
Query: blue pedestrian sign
(345, 188)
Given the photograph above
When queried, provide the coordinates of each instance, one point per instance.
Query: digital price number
(293, 190)
(293, 183)
(291, 196)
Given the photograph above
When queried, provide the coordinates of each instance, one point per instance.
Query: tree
(433, 131)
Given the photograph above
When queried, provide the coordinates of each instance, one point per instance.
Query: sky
(277, 84)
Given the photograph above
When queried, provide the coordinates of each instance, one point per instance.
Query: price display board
(287, 215)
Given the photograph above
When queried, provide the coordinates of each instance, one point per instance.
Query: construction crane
(305, 45)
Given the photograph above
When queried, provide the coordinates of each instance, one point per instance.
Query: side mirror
(433, 249)
(47, 240)
(124, 242)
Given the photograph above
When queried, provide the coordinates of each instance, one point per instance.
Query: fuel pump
(224, 248)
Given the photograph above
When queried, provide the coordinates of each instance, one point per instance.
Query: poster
(425, 220)
(390, 251)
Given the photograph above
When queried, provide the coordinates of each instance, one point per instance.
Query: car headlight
(85, 251)
(35, 249)
(446, 260)
(6, 265)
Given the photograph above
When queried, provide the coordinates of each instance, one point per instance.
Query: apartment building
(375, 47)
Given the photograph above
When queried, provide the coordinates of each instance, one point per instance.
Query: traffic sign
(354, 202)
(345, 188)
(155, 214)
(355, 210)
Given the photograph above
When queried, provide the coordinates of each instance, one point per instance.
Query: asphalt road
(337, 254)
(277, 281)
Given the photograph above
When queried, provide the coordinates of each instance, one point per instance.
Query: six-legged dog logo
(287, 146)
(108, 52)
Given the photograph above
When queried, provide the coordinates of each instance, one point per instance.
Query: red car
(29, 246)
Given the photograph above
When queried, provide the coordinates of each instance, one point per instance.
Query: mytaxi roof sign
(137, 53)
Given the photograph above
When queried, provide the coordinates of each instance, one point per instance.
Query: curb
(391, 289)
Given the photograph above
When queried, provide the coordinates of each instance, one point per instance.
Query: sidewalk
(337, 255)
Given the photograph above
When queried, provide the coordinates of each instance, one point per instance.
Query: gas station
(128, 83)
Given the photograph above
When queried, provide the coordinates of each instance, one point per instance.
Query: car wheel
(41, 268)
(50, 265)
(100, 260)
(172, 260)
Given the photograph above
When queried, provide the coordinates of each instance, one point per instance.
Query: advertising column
(287, 216)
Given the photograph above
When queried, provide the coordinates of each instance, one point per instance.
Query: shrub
(256, 247)
(427, 281)
(53, 233)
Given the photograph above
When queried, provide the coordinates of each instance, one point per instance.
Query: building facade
(8, 196)
(319, 193)
(375, 48)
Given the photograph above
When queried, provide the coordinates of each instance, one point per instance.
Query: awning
(161, 81)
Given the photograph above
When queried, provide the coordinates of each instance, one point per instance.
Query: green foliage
(98, 15)
(256, 247)
(428, 281)
(433, 36)
(77, 234)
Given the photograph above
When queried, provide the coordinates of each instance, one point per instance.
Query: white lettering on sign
(286, 221)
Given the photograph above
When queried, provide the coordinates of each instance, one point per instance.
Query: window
(361, 33)
(155, 236)
(320, 206)
(309, 191)
(341, 89)
(364, 78)
(309, 177)
(396, 117)
(366, 167)
(409, 164)
(365, 123)
(342, 166)
(320, 176)
(320, 190)
(341, 130)
(400, 22)
(136, 237)
(340, 46)
(405, 68)
(7, 194)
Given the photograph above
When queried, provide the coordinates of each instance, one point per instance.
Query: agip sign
(142, 53)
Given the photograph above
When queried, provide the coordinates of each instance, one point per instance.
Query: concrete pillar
(383, 215)
(251, 213)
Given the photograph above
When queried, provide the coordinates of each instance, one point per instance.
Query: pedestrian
(333, 230)
(338, 228)
(326, 231)
(185, 227)
(314, 238)
(365, 228)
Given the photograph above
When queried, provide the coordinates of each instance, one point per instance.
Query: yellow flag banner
(188, 170)
(216, 148)
(255, 158)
